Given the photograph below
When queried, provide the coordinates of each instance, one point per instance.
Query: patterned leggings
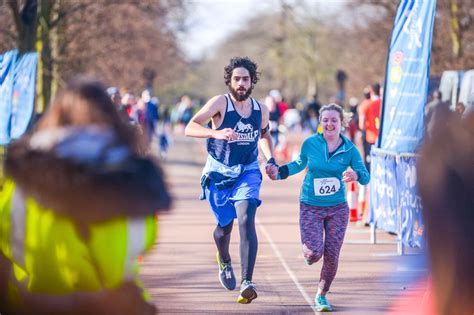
(333, 221)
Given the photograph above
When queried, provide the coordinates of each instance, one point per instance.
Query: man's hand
(271, 169)
(225, 134)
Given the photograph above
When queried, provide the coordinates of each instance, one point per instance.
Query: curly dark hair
(244, 62)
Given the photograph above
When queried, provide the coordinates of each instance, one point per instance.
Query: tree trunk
(280, 41)
(57, 47)
(25, 21)
(46, 64)
(312, 88)
(455, 30)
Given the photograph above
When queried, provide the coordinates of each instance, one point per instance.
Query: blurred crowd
(157, 122)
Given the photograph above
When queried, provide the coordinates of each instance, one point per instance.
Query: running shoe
(226, 274)
(321, 304)
(248, 292)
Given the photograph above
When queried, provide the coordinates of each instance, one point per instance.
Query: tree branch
(13, 4)
(62, 14)
(8, 33)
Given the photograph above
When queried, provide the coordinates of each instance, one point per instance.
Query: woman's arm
(358, 166)
(295, 166)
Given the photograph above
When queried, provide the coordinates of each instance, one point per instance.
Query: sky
(211, 20)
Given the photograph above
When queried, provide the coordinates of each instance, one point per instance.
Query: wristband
(272, 161)
(283, 171)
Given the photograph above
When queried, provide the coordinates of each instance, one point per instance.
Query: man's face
(240, 84)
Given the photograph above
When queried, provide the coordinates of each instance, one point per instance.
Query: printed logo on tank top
(245, 133)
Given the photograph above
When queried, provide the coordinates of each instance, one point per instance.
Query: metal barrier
(408, 183)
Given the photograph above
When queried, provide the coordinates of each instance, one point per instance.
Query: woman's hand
(349, 176)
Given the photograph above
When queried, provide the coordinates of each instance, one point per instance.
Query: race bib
(326, 186)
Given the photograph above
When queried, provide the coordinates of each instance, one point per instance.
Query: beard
(240, 97)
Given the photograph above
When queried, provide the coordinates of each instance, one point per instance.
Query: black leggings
(246, 210)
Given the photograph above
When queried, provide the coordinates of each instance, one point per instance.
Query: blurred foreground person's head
(82, 146)
(446, 174)
(85, 102)
(79, 181)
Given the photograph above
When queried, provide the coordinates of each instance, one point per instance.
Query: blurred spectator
(187, 111)
(313, 121)
(437, 117)
(292, 118)
(138, 114)
(369, 120)
(354, 123)
(311, 115)
(361, 109)
(280, 102)
(151, 115)
(128, 99)
(460, 108)
(274, 118)
(446, 183)
(341, 78)
(114, 95)
(78, 193)
(436, 100)
(182, 113)
(164, 144)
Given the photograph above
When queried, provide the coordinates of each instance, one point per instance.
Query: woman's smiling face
(331, 123)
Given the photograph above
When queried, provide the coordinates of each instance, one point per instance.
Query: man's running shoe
(248, 292)
(321, 303)
(226, 274)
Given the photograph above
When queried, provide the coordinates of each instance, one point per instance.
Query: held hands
(271, 169)
(349, 176)
(225, 134)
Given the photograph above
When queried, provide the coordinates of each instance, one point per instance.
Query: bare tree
(114, 40)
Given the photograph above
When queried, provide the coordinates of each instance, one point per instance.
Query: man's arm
(266, 142)
(196, 126)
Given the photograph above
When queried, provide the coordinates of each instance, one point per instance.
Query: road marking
(408, 268)
(391, 254)
(368, 242)
(285, 265)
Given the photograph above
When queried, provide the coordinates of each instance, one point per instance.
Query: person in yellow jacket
(77, 207)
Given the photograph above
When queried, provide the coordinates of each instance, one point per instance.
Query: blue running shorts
(222, 201)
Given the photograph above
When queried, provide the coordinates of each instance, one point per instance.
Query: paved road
(181, 272)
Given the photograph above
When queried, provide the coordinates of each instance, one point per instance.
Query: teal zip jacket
(323, 185)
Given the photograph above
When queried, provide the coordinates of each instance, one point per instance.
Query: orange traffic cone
(365, 214)
(361, 200)
(352, 201)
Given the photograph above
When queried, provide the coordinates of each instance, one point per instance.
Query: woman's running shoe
(321, 303)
